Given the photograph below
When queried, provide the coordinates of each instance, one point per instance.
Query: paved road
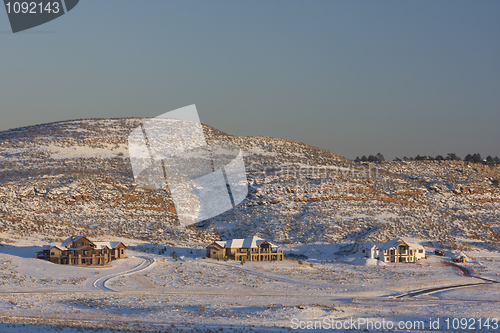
(464, 270)
(102, 282)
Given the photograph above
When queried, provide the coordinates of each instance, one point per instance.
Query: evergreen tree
(476, 158)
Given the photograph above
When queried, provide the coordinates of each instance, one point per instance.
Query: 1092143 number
(471, 323)
(32, 7)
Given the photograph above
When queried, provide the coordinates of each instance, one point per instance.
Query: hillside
(75, 177)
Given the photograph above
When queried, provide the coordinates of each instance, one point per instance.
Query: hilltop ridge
(75, 177)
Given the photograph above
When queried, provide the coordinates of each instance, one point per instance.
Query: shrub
(204, 257)
(300, 262)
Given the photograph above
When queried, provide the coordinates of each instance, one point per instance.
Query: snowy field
(149, 291)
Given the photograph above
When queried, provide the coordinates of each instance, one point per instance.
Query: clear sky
(355, 77)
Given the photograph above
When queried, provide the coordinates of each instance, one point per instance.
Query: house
(80, 250)
(368, 250)
(248, 249)
(400, 250)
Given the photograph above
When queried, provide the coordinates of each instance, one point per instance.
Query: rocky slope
(75, 177)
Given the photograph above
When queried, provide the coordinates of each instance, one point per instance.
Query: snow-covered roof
(414, 245)
(390, 244)
(369, 245)
(102, 245)
(70, 240)
(221, 243)
(393, 243)
(246, 243)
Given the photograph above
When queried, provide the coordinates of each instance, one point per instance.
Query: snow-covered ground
(196, 294)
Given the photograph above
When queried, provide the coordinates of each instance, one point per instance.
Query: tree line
(372, 158)
(471, 158)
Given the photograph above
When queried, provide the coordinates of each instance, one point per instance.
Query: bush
(204, 257)
(300, 262)
(242, 261)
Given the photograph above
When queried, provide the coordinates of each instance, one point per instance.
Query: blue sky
(354, 77)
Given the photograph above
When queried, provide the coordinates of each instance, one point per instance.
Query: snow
(110, 151)
(199, 294)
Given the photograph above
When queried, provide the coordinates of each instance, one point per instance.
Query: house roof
(393, 243)
(369, 245)
(102, 245)
(243, 243)
(221, 243)
(99, 245)
(70, 240)
(414, 245)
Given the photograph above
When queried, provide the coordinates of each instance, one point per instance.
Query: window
(420, 251)
(363, 251)
(214, 252)
(52, 253)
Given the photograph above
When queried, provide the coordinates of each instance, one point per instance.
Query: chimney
(73, 238)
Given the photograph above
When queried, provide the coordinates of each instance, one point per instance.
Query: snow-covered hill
(75, 177)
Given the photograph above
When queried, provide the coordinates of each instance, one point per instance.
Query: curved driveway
(102, 282)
